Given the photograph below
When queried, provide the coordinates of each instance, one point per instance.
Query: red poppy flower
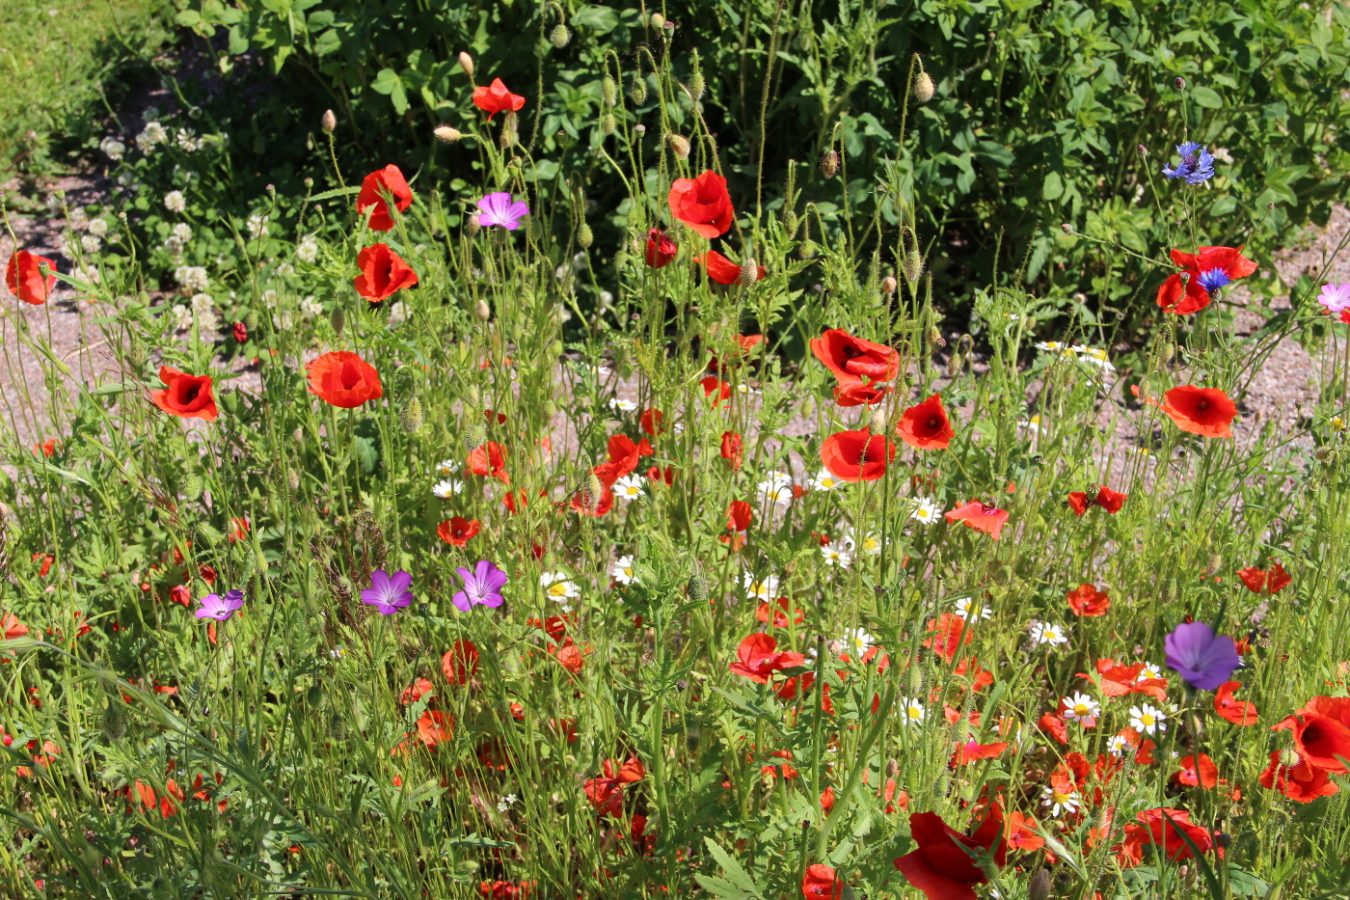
(1055, 726)
(988, 519)
(1118, 680)
(185, 396)
(382, 273)
(758, 657)
(457, 531)
(925, 426)
(853, 358)
(588, 504)
(971, 751)
(731, 449)
(946, 634)
(1321, 732)
(496, 98)
(1022, 834)
(660, 249)
(624, 456)
(1103, 496)
(852, 392)
(343, 379)
(716, 389)
(1203, 274)
(1085, 600)
(857, 455)
(722, 270)
(1260, 581)
(702, 203)
(942, 867)
(488, 460)
(739, 516)
(820, 883)
(390, 182)
(1300, 782)
(460, 662)
(435, 728)
(1163, 828)
(1197, 770)
(1239, 712)
(781, 613)
(1207, 412)
(24, 278)
(653, 421)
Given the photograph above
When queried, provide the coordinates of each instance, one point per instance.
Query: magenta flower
(1204, 659)
(388, 593)
(498, 209)
(481, 586)
(220, 608)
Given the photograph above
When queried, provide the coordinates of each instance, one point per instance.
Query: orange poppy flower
(457, 531)
(1207, 412)
(343, 379)
(974, 514)
(185, 396)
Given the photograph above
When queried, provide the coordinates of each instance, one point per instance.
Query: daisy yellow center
(1081, 709)
(557, 590)
(1147, 718)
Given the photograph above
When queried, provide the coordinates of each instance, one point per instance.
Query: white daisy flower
(623, 571)
(765, 588)
(1050, 346)
(925, 511)
(965, 609)
(559, 588)
(447, 467)
(869, 544)
(1059, 804)
(629, 487)
(622, 405)
(1080, 707)
(447, 488)
(1031, 425)
(1119, 745)
(912, 710)
(1048, 634)
(857, 642)
(1147, 719)
(824, 481)
(1150, 670)
(776, 488)
(836, 555)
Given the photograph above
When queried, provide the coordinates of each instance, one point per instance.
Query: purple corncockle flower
(498, 209)
(388, 593)
(1204, 659)
(481, 586)
(220, 608)
(1197, 164)
(1335, 298)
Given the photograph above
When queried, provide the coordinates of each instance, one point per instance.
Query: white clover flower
(307, 251)
(925, 511)
(399, 313)
(1147, 719)
(202, 302)
(182, 317)
(257, 226)
(629, 487)
(175, 202)
(173, 246)
(187, 141)
(912, 710)
(183, 232)
(207, 320)
(622, 405)
(90, 243)
(192, 278)
(112, 148)
(151, 137)
(824, 480)
(98, 227)
(447, 488)
(285, 269)
(1059, 804)
(760, 589)
(776, 488)
(623, 571)
(836, 555)
(311, 307)
(560, 589)
(1080, 707)
(1047, 634)
(964, 609)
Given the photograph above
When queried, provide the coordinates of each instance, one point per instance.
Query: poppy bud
(471, 225)
(1066, 227)
(878, 422)
(935, 337)
(749, 271)
(466, 63)
(510, 125)
(829, 163)
(697, 587)
(481, 310)
(1180, 83)
(474, 434)
(113, 724)
(1039, 888)
(696, 85)
(328, 122)
(657, 21)
(679, 145)
(609, 91)
(923, 87)
(912, 267)
(595, 487)
(1143, 151)
(889, 284)
(585, 237)
(560, 36)
(637, 92)
(608, 124)
(412, 418)
(240, 333)
(807, 250)
(447, 135)
(337, 318)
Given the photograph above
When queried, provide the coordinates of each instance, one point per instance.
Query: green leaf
(1206, 97)
(737, 885)
(1053, 187)
(599, 19)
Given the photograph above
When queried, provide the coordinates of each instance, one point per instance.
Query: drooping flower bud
(923, 87)
(482, 310)
(679, 145)
(560, 36)
(411, 418)
(609, 124)
(637, 91)
(829, 163)
(657, 21)
(447, 135)
(749, 271)
(338, 319)
(609, 91)
(584, 236)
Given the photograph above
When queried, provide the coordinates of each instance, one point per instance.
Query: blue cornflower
(1214, 279)
(1197, 164)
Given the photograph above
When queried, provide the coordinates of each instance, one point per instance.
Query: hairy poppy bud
(1180, 83)
(584, 236)
(923, 87)
(447, 135)
(637, 92)
(608, 124)
(595, 488)
(560, 36)
(338, 319)
(609, 91)
(807, 250)
(878, 421)
(113, 723)
(328, 122)
(935, 337)
(911, 266)
(679, 145)
(1039, 888)
(466, 63)
(697, 586)
(696, 87)
(829, 163)
(1066, 227)
(482, 310)
(1143, 151)
(749, 271)
(471, 226)
(889, 284)
(657, 21)
(412, 418)
(475, 435)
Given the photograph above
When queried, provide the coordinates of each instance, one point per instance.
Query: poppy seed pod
(829, 163)
(560, 36)
(411, 418)
(923, 87)
(1039, 888)
(749, 271)
(679, 145)
(328, 122)
(447, 135)
(466, 63)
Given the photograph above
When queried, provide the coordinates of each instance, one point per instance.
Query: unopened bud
(328, 122)
(923, 87)
(412, 418)
(338, 319)
(482, 310)
(1143, 151)
(878, 420)
(657, 21)
(609, 91)
(679, 145)
(474, 433)
(596, 489)
(807, 250)
(829, 163)
(584, 236)
(935, 337)
(471, 226)
(466, 63)
(560, 36)
(749, 271)
(447, 135)
(1180, 83)
(696, 86)
(113, 724)
(1039, 888)
(510, 126)
(889, 284)
(608, 124)
(637, 91)
(697, 587)
(1066, 227)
